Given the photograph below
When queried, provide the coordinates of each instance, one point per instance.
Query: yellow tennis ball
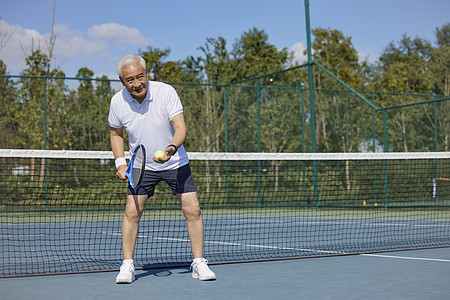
(160, 154)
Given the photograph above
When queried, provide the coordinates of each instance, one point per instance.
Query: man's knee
(134, 208)
(192, 211)
(132, 215)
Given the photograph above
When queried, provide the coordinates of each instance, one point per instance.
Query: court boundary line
(406, 257)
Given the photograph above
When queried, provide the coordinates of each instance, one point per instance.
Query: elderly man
(152, 114)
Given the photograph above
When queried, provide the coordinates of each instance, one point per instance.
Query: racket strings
(138, 165)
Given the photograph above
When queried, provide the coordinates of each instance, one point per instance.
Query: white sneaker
(126, 274)
(201, 271)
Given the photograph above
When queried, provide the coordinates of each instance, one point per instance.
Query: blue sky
(96, 33)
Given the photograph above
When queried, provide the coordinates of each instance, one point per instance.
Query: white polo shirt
(149, 122)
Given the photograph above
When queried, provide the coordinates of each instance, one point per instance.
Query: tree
(339, 116)
(103, 93)
(255, 56)
(218, 67)
(158, 69)
(31, 105)
(9, 103)
(441, 68)
(404, 67)
(336, 52)
(441, 61)
(88, 108)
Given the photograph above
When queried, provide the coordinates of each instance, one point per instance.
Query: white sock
(198, 260)
(127, 262)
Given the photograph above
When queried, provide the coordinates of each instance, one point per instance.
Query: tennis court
(81, 246)
(264, 214)
(418, 274)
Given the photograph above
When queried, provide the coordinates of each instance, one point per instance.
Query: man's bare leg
(130, 224)
(194, 223)
(130, 228)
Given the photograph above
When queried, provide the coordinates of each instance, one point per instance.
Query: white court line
(20, 235)
(283, 248)
(232, 244)
(405, 257)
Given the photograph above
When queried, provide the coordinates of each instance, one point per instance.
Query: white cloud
(298, 49)
(73, 43)
(98, 50)
(298, 53)
(116, 33)
(18, 45)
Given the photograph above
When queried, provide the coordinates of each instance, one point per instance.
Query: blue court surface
(414, 274)
(60, 247)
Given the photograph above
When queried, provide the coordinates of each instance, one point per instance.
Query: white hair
(128, 60)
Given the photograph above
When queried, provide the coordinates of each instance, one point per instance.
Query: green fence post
(386, 184)
(45, 144)
(435, 126)
(436, 144)
(225, 117)
(226, 142)
(303, 143)
(258, 116)
(311, 99)
(374, 150)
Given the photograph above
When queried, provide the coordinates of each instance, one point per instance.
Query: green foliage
(255, 56)
(405, 66)
(9, 120)
(246, 98)
(159, 70)
(335, 52)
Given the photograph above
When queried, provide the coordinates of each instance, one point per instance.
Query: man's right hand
(121, 172)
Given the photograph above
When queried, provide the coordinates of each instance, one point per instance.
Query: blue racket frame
(129, 171)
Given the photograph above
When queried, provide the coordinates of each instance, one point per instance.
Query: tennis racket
(136, 168)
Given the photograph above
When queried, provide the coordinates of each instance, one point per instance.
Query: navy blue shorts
(180, 181)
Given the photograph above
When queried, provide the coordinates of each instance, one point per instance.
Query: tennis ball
(160, 154)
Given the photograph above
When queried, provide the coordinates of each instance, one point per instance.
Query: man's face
(135, 81)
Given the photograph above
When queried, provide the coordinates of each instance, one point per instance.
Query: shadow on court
(160, 272)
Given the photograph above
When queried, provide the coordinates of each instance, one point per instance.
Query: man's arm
(117, 146)
(178, 138)
(180, 133)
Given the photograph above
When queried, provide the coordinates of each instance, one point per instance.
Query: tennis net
(61, 211)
